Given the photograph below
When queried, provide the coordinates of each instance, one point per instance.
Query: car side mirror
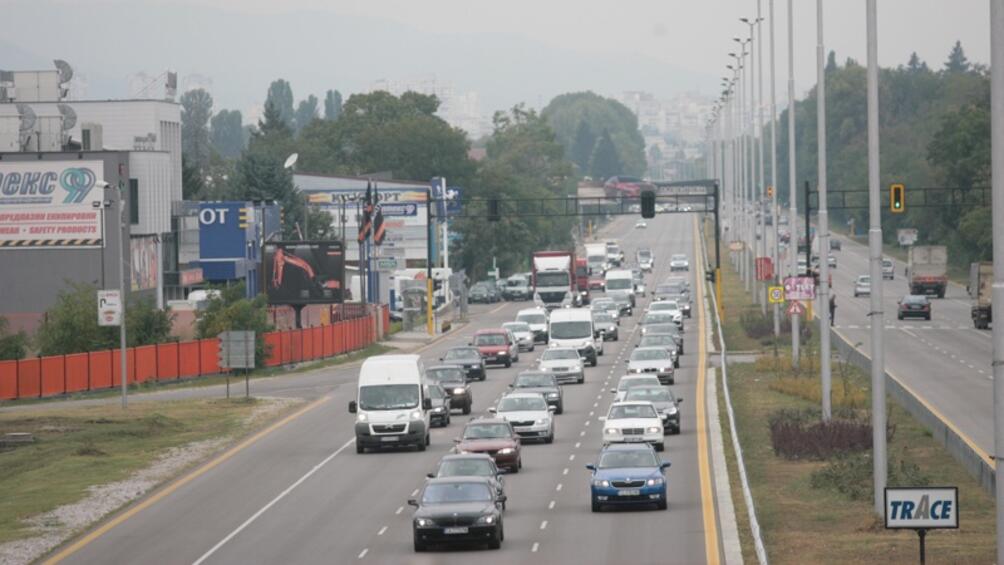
(470, 343)
(502, 498)
(679, 400)
(613, 391)
(493, 410)
(665, 465)
(591, 467)
(430, 475)
(440, 358)
(353, 407)
(412, 502)
(551, 408)
(456, 440)
(426, 403)
(510, 385)
(626, 361)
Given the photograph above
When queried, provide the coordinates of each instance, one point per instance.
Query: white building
(457, 108)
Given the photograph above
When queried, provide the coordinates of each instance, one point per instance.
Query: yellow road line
(703, 464)
(161, 494)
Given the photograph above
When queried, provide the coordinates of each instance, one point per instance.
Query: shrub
(231, 311)
(801, 434)
(843, 395)
(12, 345)
(851, 475)
(755, 324)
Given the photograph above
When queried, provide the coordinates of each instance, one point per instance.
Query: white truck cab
(622, 281)
(573, 327)
(392, 403)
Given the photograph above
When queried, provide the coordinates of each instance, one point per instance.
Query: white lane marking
(414, 493)
(550, 505)
(400, 509)
(596, 404)
(535, 547)
(273, 502)
(582, 433)
(363, 553)
(591, 413)
(565, 471)
(579, 443)
(382, 531)
(543, 525)
(587, 422)
(571, 457)
(558, 488)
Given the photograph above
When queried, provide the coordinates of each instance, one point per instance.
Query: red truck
(554, 284)
(582, 280)
(628, 187)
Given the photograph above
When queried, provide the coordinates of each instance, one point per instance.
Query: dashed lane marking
(363, 553)
(543, 525)
(558, 488)
(382, 531)
(400, 509)
(535, 547)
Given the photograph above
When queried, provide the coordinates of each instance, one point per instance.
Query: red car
(495, 437)
(597, 282)
(497, 346)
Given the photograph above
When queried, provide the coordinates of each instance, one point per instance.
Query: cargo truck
(927, 268)
(582, 280)
(554, 279)
(596, 257)
(981, 277)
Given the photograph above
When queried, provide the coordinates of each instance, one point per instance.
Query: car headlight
(634, 370)
(362, 418)
(611, 431)
(601, 483)
(653, 430)
(503, 353)
(506, 451)
(489, 520)
(552, 395)
(541, 422)
(458, 391)
(437, 409)
(416, 415)
(424, 522)
(656, 481)
(672, 410)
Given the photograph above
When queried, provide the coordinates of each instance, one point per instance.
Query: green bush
(851, 476)
(12, 345)
(231, 311)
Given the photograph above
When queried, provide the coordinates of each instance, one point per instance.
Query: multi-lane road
(299, 493)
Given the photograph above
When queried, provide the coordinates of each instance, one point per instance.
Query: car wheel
(508, 364)
(672, 381)
(419, 546)
(550, 438)
(593, 362)
(676, 431)
(467, 409)
(360, 448)
(676, 363)
(428, 439)
(447, 420)
(561, 408)
(928, 318)
(596, 506)
(662, 504)
(660, 446)
(495, 542)
(532, 346)
(516, 467)
(617, 337)
(900, 316)
(420, 446)
(582, 379)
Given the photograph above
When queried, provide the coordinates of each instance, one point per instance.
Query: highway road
(300, 494)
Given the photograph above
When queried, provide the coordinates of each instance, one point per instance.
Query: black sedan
(914, 306)
(467, 357)
(458, 510)
(470, 465)
(440, 413)
(544, 383)
(454, 381)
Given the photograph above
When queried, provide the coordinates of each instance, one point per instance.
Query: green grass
(735, 301)
(78, 448)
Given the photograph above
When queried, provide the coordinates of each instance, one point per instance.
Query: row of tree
(934, 132)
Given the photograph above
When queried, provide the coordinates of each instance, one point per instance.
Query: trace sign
(799, 288)
(921, 509)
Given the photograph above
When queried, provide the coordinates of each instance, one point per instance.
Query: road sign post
(237, 350)
(921, 509)
(109, 308)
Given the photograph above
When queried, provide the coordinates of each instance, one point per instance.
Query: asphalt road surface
(300, 493)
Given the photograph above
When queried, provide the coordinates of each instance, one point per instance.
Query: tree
(271, 122)
(916, 65)
(831, 62)
(231, 311)
(582, 147)
(192, 185)
(196, 109)
(260, 176)
(957, 62)
(306, 112)
(14, 345)
(226, 131)
(604, 162)
(280, 95)
(565, 112)
(332, 105)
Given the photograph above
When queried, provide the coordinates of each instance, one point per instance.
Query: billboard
(48, 204)
(223, 240)
(304, 272)
(145, 262)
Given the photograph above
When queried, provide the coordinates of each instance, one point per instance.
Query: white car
(652, 360)
(630, 381)
(564, 363)
(679, 262)
(529, 414)
(640, 224)
(536, 318)
(653, 318)
(523, 334)
(670, 306)
(633, 422)
(831, 260)
(863, 286)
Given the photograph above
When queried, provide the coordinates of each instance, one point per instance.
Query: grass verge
(76, 449)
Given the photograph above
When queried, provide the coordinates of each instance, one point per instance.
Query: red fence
(61, 374)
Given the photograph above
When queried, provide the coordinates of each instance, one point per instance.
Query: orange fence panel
(209, 355)
(188, 359)
(329, 340)
(117, 366)
(338, 337)
(296, 346)
(53, 375)
(307, 344)
(100, 369)
(273, 344)
(167, 361)
(146, 363)
(287, 347)
(29, 378)
(317, 335)
(8, 380)
(77, 372)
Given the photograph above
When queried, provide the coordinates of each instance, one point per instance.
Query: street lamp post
(792, 201)
(776, 251)
(997, 180)
(824, 217)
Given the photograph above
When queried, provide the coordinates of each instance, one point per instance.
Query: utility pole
(997, 199)
(761, 189)
(792, 189)
(824, 223)
(123, 290)
(776, 254)
(875, 262)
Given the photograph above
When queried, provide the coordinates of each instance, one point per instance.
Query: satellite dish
(65, 70)
(69, 116)
(290, 161)
(27, 117)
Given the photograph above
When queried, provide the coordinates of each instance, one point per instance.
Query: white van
(622, 281)
(392, 404)
(573, 327)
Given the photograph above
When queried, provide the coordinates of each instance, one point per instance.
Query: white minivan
(621, 281)
(392, 404)
(573, 327)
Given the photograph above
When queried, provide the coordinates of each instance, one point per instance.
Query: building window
(85, 135)
(134, 201)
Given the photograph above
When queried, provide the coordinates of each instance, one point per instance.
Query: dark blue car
(628, 474)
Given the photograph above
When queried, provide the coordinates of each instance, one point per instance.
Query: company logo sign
(47, 204)
(921, 507)
(32, 184)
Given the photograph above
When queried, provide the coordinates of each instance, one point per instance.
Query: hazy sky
(566, 44)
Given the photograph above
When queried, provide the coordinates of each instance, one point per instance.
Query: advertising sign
(304, 272)
(799, 288)
(906, 236)
(109, 308)
(48, 204)
(764, 269)
(188, 277)
(145, 262)
(926, 508)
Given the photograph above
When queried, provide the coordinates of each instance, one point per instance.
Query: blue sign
(224, 234)
(453, 197)
(407, 209)
(439, 195)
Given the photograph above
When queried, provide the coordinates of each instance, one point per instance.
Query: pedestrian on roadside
(833, 308)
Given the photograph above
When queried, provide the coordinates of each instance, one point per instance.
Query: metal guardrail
(758, 545)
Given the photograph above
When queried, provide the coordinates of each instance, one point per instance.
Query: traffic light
(897, 198)
(493, 210)
(770, 192)
(648, 204)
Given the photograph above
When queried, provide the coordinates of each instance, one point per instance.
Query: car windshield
(653, 354)
(644, 254)
(446, 375)
(449, 493)
(557, 354)
(615, 459)
(864, 279)
(532, 318)
(487, 431)
(656, 340)
(489, 339)
(649, 394)
(388, 397)
(524, 381)
(436, 392)
(662, 329)
(570, 330)
(466, 468)
(623, 411)
(669, 289)
(629, 383)
(619, 284)
(679, 258)
(620, 299)
(910, 299)
(462, 354)
(663, 306)
(521, 327)
(548, 279)
(657, 318)
(522, 404)
(603, 319)
(886, 263)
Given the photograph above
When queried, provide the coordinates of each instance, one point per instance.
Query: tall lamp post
(776, 249)
(997, 203)
(792, 192)
(823, 219)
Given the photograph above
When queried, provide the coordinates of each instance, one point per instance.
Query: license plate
(628, 492)
(633, 438)
(389, 438)
(458, 530)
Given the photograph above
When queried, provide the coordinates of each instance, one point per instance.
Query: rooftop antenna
(69, 120)
(27, 126)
